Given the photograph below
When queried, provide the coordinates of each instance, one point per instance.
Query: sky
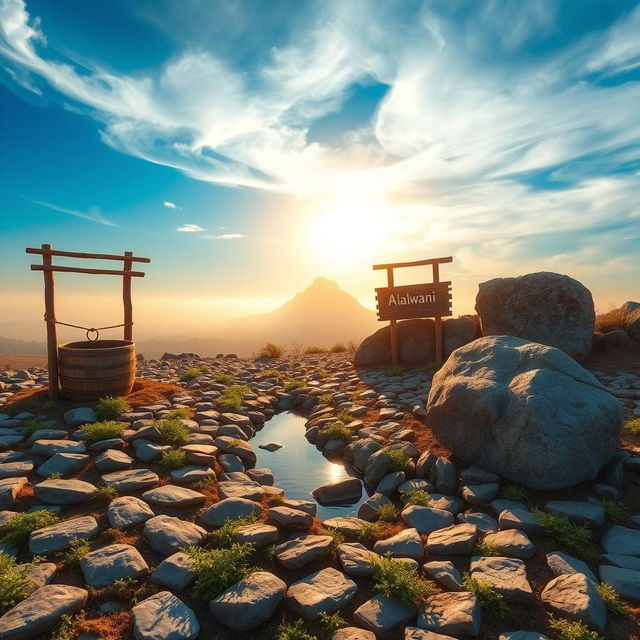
(248, 147)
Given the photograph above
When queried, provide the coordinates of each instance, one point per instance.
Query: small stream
(299, 467)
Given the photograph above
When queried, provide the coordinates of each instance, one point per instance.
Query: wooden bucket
(92, 370)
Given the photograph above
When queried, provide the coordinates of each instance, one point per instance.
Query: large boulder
(543, 307)
(525, 411)
(416, 341)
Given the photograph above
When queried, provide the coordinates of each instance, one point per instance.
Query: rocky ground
(112, 560)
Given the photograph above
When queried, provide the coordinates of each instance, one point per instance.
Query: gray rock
(131, 480)
(520, 518)
(175, 572)
(113, 460)
(490, 402)
(41, 611)
(523, 635)
(617, 560)
(48, 448)
(543, 307)
(62, 463)
(507, 576)
(166, 534)
(326, 590)
(406, 544)
(445, 573)
(79, 416)
(259, 535)
(163, 616)
(456, 540)
(353, 633)
(39, 574)
(457, 613)
(229, 509)
(108, 564)
(484, 522)
(591, 513)
(390, 483)
(480, 493)
(512, 543)
(170, 495)
(446, 481)
(381, 615)
(58, 536)
(563, 564)
(128, 511)
(346, 491)
(369, 508)
(626, 582)
(574, 596)
(250, 602)
(356, 559)
(426, 519)
(298, 552)
(289, 518)
(9, 490)
(60, 491)
(621, 540)
(13, 469)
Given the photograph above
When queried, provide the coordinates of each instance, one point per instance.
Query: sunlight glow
(349, 229)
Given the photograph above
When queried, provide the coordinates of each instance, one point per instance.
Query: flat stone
(63, 463)
(169, 495)
(414, 633)
(523, 635)
(128, 511)
(520, 518)
(308, 506)
(57, 536)
(48, 448)
(446, 503)
(229, 509)
(60, 491)
(483, 521)
(131, 480)
(298, 552)
(621, 540)
(9, 490)
(270, 446)
(562, 563)
(113, 460)
(289, 518)
(261, 476)
(349, 525)
(250, 602)
(39, 574)
(192, 473)
(150, 451)
(368, 510)
(346, 491)
(617, 560)
(591, 513)
(249, 490)
(259, 535)
(574, 596)
(480, 493)
(512, 543)
(41, 611)
(13, 469)
(176, 572)
(382, 615)
(163, 616)
(326, 590)
(457, 613)
(445, 573)
(353, 633)
(406, 544)
(426, 519)
(456, 540)
(356, 559)
(626, 582)
(507, 576)
(166, 534)
(79, 416)
(113, 562)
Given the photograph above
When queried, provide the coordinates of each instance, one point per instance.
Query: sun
(349, 230)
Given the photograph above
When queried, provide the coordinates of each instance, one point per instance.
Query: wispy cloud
(170, 205)
(94, 214)
(223, 236)
(481, 138)
(190, 228)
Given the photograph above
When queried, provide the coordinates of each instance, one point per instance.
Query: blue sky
(247, 147)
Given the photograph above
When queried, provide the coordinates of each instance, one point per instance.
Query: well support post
(50, 316)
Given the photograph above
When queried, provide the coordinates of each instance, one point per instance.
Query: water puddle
(299, 467)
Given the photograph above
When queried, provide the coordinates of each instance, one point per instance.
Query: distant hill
(22, 347)
(321, 315)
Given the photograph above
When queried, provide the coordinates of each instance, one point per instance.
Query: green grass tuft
(325, 398)
(225, 536)
(482, 548)
(611, 599)
(514, 492)
(15, 532)
(335, 534)
(292, 385)
(15, 584)
(65, 629)
(223, 378)
(173, 459)
(571, 535)
(331, 621)
(398, 457)
(490, 600)
(613, 510)
(173, 432)
(105, 430)
(416, 496)
(182, 413)
(216, 570)
(110, 408)
(338, 347)
(231, 398)
(572, 630)
(396, 370)
(337, 431)
(344, 416)
(313, 350)
(30, 426)
(398, 580)
(293, 631)
(191, 374)
(78, 549)
(633, 426)
(104, 493)
(387, 512)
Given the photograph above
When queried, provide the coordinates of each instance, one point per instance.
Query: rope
(89, 330)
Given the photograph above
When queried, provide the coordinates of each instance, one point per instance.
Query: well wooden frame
(48, 269)
(393, 329)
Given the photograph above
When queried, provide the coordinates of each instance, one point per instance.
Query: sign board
(414, 301)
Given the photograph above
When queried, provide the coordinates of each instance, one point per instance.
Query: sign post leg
(50, 317)
(393, 335)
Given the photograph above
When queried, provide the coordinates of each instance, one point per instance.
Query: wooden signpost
(429, 300)
(49, 268)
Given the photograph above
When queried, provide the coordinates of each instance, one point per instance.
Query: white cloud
(190, 228)
(465, 121)
(223, 236)
(170, 205)
(94, 214)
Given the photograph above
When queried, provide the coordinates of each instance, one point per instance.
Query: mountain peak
(323, 283)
